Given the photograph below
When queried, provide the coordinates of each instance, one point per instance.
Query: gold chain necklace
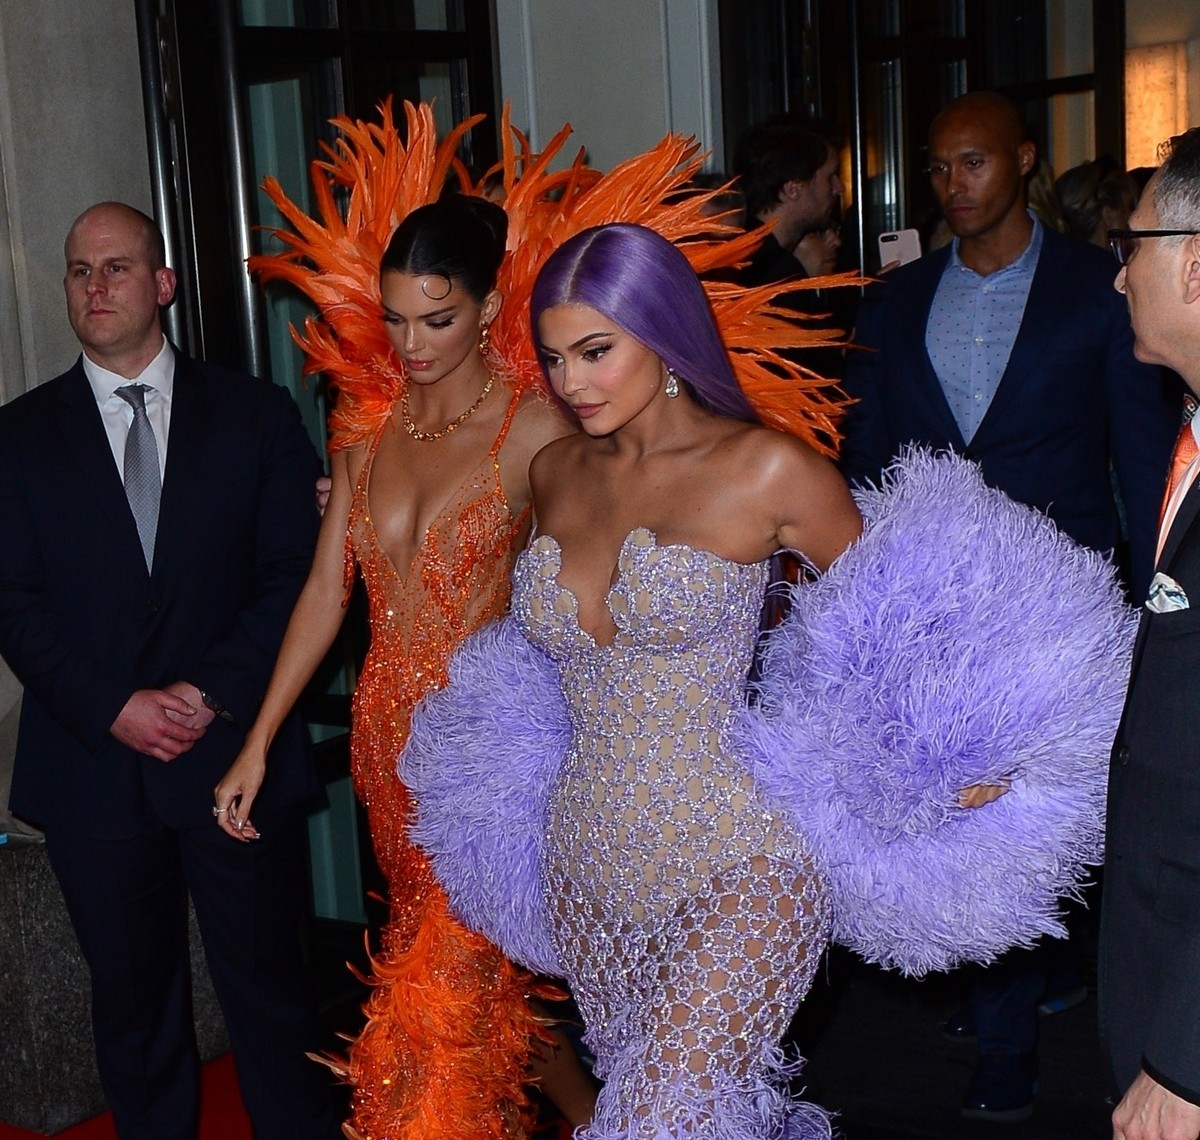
(424, 436)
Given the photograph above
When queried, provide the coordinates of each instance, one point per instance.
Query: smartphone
(899, 245)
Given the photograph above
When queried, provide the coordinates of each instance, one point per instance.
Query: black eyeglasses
(1124, 242)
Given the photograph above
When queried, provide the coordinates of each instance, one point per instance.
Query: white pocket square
(1166, 595)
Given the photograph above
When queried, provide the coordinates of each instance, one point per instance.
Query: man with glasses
(1150, 918)
(1010, 347)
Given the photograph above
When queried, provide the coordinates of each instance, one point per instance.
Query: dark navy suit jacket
(1150, 917)
(1072, 399)
(83, 624)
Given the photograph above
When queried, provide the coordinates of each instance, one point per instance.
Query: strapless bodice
(669, 600)
(651, 798)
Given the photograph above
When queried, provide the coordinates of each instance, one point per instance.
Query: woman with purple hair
(597, 795)
(688, 916)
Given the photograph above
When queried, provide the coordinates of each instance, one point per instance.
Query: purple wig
(638, 279)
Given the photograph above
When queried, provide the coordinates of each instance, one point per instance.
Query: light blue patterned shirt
(973, 325)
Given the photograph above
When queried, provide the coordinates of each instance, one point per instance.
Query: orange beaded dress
(448, 1030)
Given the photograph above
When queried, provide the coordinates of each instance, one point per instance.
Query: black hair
(781, 150)
(461, 237)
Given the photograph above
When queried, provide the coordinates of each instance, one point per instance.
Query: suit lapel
(921, 295)
(86, 439)
(181, 479)
(1185, 520)
(1037, 329)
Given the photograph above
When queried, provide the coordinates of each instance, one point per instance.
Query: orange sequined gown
(448, 1029)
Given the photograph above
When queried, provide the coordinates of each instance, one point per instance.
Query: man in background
(787, 171)
(1010, 347)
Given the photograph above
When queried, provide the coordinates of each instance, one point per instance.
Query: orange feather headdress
(333, 259)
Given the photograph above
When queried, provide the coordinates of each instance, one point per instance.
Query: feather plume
(479, 761)
(333, 258)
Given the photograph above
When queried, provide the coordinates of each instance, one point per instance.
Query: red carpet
(221, 1114)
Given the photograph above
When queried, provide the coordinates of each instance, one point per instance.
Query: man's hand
(145, 726)
(324, 487)
(202, 717)
(1150, 1112)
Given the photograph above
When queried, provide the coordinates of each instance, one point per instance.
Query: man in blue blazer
(144, 636)
(1035, 359)
(1149, 982)
(1010, 347)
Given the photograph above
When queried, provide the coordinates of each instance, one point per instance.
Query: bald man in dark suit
(158, 525)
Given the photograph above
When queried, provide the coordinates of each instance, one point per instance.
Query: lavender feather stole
(962, 640)
(480, 760)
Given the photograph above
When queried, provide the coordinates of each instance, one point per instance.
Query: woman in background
(1096, 197)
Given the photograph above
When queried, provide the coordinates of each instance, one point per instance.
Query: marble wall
(72, 132)
(622, 73)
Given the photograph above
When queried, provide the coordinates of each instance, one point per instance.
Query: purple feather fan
(479, 762)
(962, 640)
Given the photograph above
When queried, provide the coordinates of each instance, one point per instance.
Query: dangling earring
(485, 340)
(672, 384)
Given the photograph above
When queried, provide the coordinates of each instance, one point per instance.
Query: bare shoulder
(810, 506)
(535, 423)
(560, 454)
(348, 463)
(769, 457)
(538, 420)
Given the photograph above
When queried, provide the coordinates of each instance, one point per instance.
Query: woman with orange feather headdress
(439, 410)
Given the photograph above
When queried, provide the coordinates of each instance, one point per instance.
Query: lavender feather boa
(480, 759)
(962, 640)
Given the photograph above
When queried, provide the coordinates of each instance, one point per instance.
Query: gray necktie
(143, 482)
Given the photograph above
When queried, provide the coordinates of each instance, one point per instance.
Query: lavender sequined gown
(687, 917)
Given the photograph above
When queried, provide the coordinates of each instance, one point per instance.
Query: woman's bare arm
(311, 630)
(813, 510)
